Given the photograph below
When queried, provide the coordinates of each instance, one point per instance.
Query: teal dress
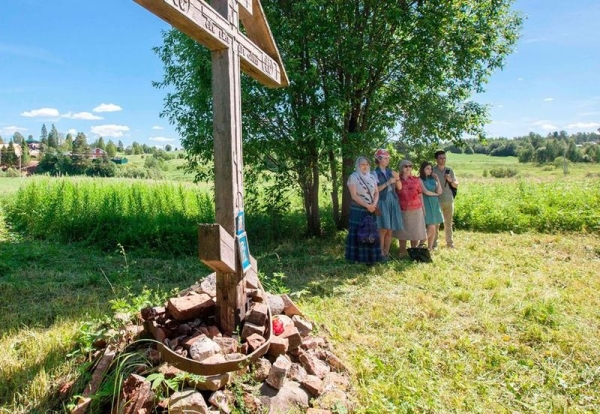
(433, 212)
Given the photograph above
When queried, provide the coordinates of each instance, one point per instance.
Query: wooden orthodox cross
(216, 26)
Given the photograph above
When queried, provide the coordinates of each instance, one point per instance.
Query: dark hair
(424, 164)
(438, 153)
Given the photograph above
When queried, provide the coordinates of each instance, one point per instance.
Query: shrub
(154, 163)
(503, 172)
(559, 162)
(102, 169)
(140, 173)
(12, 173)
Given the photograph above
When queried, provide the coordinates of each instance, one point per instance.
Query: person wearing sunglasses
(411, 205)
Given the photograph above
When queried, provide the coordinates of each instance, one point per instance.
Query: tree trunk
(335, 199)
(310, 192)
(348, 155)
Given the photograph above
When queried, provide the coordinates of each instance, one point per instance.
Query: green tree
(9, 157)
(81, 154)
(593, 152)
(44, 133)
(360, 70)
(526, 152)
(573, 153)
(100, 144)
(53, 137)
(137, 148)
(111, 149)
(120, 147)
(18, 138)
(25, 157)
(68, 144)
(168, 147)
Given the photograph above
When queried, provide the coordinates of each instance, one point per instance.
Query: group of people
(405, 206)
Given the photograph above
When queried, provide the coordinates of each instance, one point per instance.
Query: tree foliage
(362, 72)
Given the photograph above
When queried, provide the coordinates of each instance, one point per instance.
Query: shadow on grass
(13, 384)
(318, 266)
(41, 282)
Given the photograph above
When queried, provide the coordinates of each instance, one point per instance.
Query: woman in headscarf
(364, 193)
(411, 204)
(431, 191)
(388, 181)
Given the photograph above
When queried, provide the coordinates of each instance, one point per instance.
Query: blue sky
(88, 66)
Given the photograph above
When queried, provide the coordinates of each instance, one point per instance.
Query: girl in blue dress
(431, 191)
(390, 219)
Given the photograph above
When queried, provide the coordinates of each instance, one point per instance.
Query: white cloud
(548, 99)
(520, 79)
(87, 116)
(545, 124)
(161, 139)
(72, 131)
(107, 108)
(583, 125)
(110, 130)
(500, 106)
(157, 127)
(593, 113)
(42, 112)
(9, 131)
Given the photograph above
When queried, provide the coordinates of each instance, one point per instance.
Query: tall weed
(527, 205)
(108, 213)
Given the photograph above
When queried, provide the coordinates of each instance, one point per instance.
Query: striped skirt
(355, 251)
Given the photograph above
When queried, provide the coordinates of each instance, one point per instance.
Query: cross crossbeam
(202, 23)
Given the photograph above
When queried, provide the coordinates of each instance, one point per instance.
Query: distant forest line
(577, 147)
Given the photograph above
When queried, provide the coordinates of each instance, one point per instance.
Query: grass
(505, 323)
(110, 212)
(469, 167)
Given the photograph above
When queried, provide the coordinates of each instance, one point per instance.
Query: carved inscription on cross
(216, 26)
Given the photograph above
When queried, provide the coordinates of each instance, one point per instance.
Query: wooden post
(229, 187)
(217, 27)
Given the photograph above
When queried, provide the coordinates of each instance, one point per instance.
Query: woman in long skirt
(390, 219)
(411, 204)
(364, 193)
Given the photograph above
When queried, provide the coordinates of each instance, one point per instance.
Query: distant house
(34, 145)
(97, 153)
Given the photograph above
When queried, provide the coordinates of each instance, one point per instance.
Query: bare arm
(438, 185)
(389, 182)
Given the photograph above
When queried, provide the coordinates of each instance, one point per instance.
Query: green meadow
(508, 322)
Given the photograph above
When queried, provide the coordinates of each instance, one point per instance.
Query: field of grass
(500, 324)
(472, 166)
(504, 323)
